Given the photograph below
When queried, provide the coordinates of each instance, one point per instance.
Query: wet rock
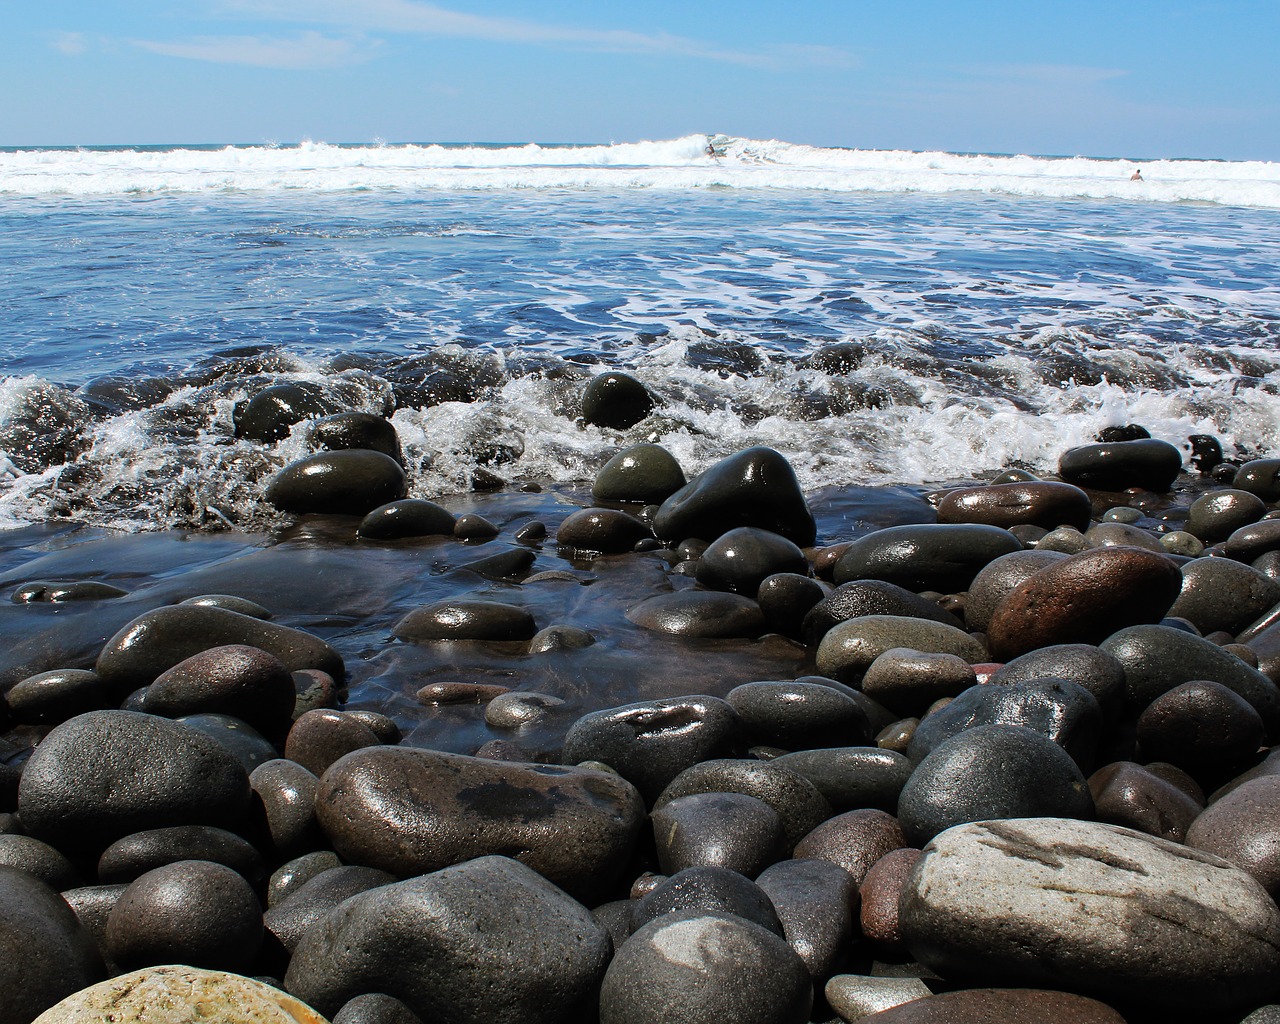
(1089, 666)
(1222, 594)
(1122, 535)
(991, 771)
(474, 527)
(651, 742)
(870, 597)
(108, 774)
(1092, 907)
(709, 890)
(601, 530)
(798, 802)
(700, 613)
(128, 858)
(311, 902)
(1128, 794)
(1243, 827)
(741, 559)
(1083, 599)
(858, 996)
(291, 876)
(39, 859)
(465, 620)
(755, 487)
(725, 830)
(1250, 542)
(1217, 515)
(1200, 726)
(43, 591)
(880, 892)
(848, 649)
(48, 698)
(321, 737)
(382, 726)
(707, 968)
(1000, 577)
(409, 811)
(269, 414)
(852, 777)
(615, 400)
(408, 517)
(449, 694)
(352, 482)
(815, 900)
(157, 640)
(854, 841)
(1040, 503)
(907, 681)
(354, 430)
(483, 941)
(786, 598)
(1147, 463)
(375, 1008)
(519, 708)
(1058, 709)
(241, 740)
(798, 715)
(193, 912)
(925, 556)
(236, 679)
(231, 603)
(1260, 477)
(644, 473)
(506, 565)
(999, 1006)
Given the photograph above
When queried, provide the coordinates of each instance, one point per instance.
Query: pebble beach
(801, 657)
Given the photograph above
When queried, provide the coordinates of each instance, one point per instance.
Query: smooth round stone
(520, 708)
(907, 681)
(1222, 594)
(815, 901)
(107, 774)
(798, 802)
(1122, 514)
(1127, 794)
(700, 613)
(645, 473)
(651, 742)
(711, 890)
(352, 482)
(1198, 726)
(1040, 503)
(382, 726)
(991, 771)
(192, 911)
(741, 559)
(49, 592)
(754, 487)
(1179, 542)
(1243, 827)
(1089, 666)
(465, 620)
(54, 696)
(40, 859)
(560, 638)
(852, 777)
(1001, 577)
(725, 830)
(925, 556)
(1250, 542)
(177, 994)
(1217, 515)
(157, 640)
(1121, 535)
(1260, 477)
(488, 940)
(1095, 908)
(854, 841)
(698, 968)
(1062, 711)
(1155, 659)
(234, 680)
(1083, 599)
(1066, 540)
(472, 526)
(999, 1006)
(798, 715)
(615, 400)
(513, 564)
(848, 649)
(409, 811)
(408, 517)
(231, 603)
(354, 430)
(375, 1008)
(313, 689)
(857, 996)
(870, 597)
(288, 920)
(291, 876)
(880, 891)
(450, 694)
(1263, 1015)
(321, 737)
(237, 737)
(92, 905)
(128, 858)
(601, 531)
(1115, 466)
(786, 598)
(268, 415)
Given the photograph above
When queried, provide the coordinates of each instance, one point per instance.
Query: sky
(1048, 77)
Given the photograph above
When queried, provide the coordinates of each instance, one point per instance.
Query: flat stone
(48, 698)
(465, 620)
(1115, 466)
(1096, 908)
(852, 777)
(1041, 503)
(700, 613)
(1000, 1006)
(926, 556)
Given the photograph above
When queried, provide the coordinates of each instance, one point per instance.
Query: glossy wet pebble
(289, 919)
(601, 530)
(615, 400)
(1114, 466)
(1125, 793)
(854, 840)
(870, 597)
(930, 556)
(134, 855)
(999, 1006)
(1244, 828)
(852, 777)
(321, 737)
(700, 613)
(880, 892)
(643, 473)
(798, 715)
(816, 901)
(407, 517)
(1040, 503)
(1222, 594)
(741, 559)
(238, 680)
(727, 830)
(707, 889)
(1200, 726)
(907, 682)
(349, 482)
(849, 649)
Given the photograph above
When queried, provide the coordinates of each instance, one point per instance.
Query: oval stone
(1118, 465)
(852, 777)
(238, 680)
(408, 517)
(1243, 827)
(615, 400)
(465, 620)
(741, 559)
(1217, 515)
(816, 901)
(925, 556)
(848, 649)
(870, 597)
(798, 715)
(354, 430)
(1040, 503)
(700, 613)
(601, 530)
(350, 482)
(1260, 477)
(1222, 594)
(645, 473)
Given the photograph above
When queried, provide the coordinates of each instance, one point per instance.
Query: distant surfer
(711, 151)
(1137, 175)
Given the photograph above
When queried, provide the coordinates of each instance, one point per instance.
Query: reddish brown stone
(880, 891)
(854, 840)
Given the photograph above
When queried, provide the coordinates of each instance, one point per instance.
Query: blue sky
(1133, 78)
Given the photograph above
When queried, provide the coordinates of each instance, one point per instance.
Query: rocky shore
(673, 750)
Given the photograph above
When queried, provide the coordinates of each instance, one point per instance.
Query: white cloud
(70, 44)
(1057, 75)
(307, 51)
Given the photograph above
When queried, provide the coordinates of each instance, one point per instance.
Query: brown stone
(880, 890)
(999, 1006)
(854, 840)
(1041, 503)
(1127, 794)
(1244, 828)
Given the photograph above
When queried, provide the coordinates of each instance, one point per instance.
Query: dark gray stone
(848, 650)
(311, 902)
(741, 559)
(241, 740)
(408, 517)
(615, 400)
(870, 597)
(375, 1008)
(236, 679)
(925, 556)
(711, 890)
(1118, 465)
(271, 412)
(354, 430)
(128, 858)
(465, 620)
(1243, 827)
(724, 830)
(1250, 542)
(1000, 577)
(1217, 515)
(852, 777)
(907, 682)
(644, 473)
(40, 859)
(1091, 667)
(231, 603)
(1200, 726)
(1128, 794)
(797, 715)
(1222, 594)
(786, 598)
(854, 840)
(287, 792)
(606, 531)
(700, 613)
(321, 737)
(1040, 503)
(352, 482)
(48, 698)
(291, 876)
(1260, 477)
(815, 901)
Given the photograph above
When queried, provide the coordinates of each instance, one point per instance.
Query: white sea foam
(671, 164)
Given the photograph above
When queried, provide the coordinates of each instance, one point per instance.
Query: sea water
(878, 317)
